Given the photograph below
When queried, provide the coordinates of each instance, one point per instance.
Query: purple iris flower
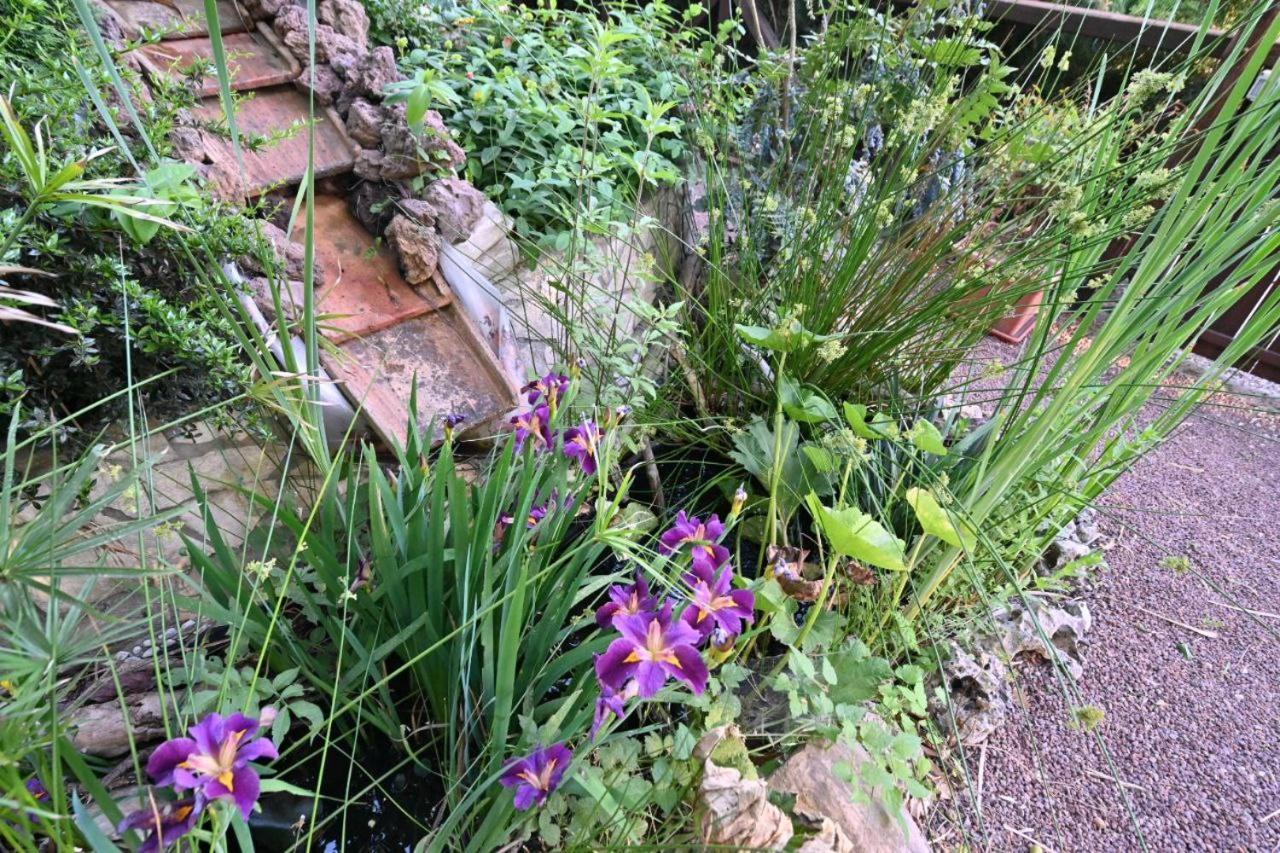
(582, 442)
(451, 422)
(535, 776)
(214, 761)
(702, 538)
(715, 604)
(165, 823)
(627, 601)
(653, 648)
(37, 790)
(534, 424)
(39, 793)
(540, 511)
(612, 702)
(550, 389)
(722, 640)
(505, 520)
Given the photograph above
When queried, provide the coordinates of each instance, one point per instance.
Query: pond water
(380, 804)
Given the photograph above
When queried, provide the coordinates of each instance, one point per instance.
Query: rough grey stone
(364, 123)
(418, 248)
(458, 206)
(348, 18)
(976, 691)
(1053, 633)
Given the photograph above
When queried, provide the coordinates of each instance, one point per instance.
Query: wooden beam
(1173, 36)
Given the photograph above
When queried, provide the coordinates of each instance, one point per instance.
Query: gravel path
(1192, 722)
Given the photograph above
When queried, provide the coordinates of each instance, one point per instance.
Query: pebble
(122, 655)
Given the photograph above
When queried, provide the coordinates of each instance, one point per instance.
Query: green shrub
(129, 287)
(565, 114)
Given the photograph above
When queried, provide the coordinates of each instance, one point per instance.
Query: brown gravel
(1193, 733)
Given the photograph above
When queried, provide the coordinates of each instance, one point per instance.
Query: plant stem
(828, 575)
(12, 237)
(775, 475)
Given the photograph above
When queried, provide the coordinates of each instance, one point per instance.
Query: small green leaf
(309, 711)
(822, 459)
(762, 337)
(858, 677)
(790, 336)
(419, 102)
(285, 678)
(936, 521)
(684, 743)
(926, 436)
(803, 404)
(952, 52)
(880, 426)
(853, 533)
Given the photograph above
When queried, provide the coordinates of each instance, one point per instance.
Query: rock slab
(830, 804)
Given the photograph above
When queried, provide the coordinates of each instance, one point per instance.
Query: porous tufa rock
(373, 204)
(370, 75)
(458, 205)
(292, 297)
(348, 18)
(322, 82)
(405, 154)
(267, 8)
(364, 123)
(188, 144)
(977, 696)
(103, 730)
(290, 256)
(419, 211)
(1060, 552)
(331, 46)
(418, 247)
(1049, 632)
(976, 683)
(116, 31)
(843, 820)
(222, 175)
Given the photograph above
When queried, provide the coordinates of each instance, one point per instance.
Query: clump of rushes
(213, 765)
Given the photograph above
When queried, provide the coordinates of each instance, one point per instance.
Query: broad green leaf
(880, 425)
(419, 102)
(858, 677)
(822, 459)
(853, 533)
(926, 436)
(803, 404)
(938, 522)
(788, 337)
(762, 337)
